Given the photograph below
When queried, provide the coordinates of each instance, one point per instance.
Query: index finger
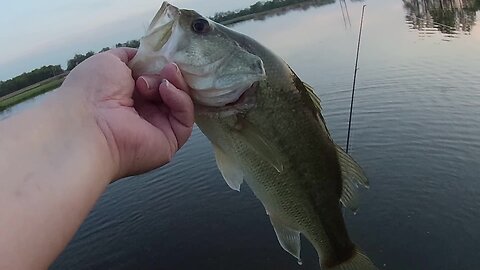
(125, 54)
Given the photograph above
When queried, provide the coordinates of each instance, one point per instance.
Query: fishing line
(355, 79)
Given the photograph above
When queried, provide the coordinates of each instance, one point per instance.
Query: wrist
(78, 124)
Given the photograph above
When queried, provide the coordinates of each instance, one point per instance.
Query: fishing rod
(355, 79)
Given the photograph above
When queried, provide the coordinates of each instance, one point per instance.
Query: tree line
(258, 7)
(78, 58)
(29, 78)
(46, 72)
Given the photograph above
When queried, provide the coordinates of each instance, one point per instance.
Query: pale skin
(57, 157)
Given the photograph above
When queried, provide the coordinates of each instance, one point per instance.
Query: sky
(35, 33)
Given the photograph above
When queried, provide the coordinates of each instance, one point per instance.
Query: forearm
(54, 165)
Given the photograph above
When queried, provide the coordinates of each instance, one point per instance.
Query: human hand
(144, 121)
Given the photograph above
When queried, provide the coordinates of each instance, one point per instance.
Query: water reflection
(450, 17)
(284, 10)
(345, 15)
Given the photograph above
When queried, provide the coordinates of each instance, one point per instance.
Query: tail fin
(358, 261)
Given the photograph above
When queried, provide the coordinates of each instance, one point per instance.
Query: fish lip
(165, 20)
(166, 11)
(240, 99)
(253, 76)
(245, 102)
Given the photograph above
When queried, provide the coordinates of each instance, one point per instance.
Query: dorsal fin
(311, 99)
(315, 99)
(353, 177)
(308, 93)
(352, 174)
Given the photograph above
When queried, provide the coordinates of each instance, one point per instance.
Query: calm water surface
(415, 132)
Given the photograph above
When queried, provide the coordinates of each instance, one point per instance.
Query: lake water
(416, 133)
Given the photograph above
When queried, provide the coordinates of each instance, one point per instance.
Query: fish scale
(284, 194)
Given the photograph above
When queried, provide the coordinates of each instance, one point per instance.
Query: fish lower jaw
(245, 102)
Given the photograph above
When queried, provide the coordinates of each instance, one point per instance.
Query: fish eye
(200, 26)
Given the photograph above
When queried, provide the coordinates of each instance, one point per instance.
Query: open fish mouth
(244, 102)
(227, 93)
(159, 32)
(244, 97)
(162, 24)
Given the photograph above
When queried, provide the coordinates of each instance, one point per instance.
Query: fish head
(215, 66)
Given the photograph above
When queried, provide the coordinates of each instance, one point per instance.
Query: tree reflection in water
(450, 17)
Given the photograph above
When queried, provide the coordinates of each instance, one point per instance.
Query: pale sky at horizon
(36, 33)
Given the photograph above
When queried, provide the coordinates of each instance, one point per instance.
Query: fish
(266, 128)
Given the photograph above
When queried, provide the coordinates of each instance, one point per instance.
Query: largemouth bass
(266, 129)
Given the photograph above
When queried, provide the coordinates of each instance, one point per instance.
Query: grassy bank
(20, 96)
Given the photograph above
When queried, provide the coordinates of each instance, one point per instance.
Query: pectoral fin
(230, 170)
(289, 239)
(258, 143)
(352, 176)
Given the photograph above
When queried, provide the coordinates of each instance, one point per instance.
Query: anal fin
(230, 171)
(288, 238)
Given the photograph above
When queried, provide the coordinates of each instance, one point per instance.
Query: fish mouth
(244, 102)
(163, 23)
(244, 96)
(224, 92)
(157, 35)
(165, 15)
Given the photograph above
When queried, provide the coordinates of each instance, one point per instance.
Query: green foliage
(131, 44)
(104, 49)
(26, 79)
(259, 7)
(6, 103)
(77, 59)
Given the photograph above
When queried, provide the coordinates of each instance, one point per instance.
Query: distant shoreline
(31, 91)
(258, 15)
(32, 86)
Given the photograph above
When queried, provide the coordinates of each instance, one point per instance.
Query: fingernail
(146, 82)
(176, 67)
(166, 82)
